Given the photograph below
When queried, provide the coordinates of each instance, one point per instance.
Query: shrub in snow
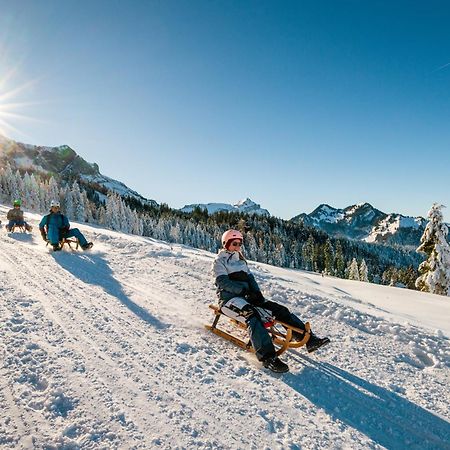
(435, 271)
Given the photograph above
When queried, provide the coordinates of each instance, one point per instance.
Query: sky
(292, 103)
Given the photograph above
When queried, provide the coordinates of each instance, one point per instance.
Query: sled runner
(21, 228)
(281, 333)
(69, 242)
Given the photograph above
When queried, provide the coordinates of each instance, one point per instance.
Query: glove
(44, 235)
(255, 298)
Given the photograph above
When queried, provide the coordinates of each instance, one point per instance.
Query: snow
(115, 186)
(325, 213)
(392, 223)
(210, 207)
(106, 349)
(245, 206)
(24, 162)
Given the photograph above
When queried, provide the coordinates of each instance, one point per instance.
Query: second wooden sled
(22, 228)
(281, 333)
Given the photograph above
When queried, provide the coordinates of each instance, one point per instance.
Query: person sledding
(240, 297)
(15, 217)
(55, 227)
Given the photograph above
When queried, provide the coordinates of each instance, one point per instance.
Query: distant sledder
(241, 300)
(16, 219)
(55, 229)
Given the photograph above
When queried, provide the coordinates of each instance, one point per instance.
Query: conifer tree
(339, 260)
(53, 193)
(435, 271)
(308, 253)
(363, 271)
(329, 257)
(78, 205)
(353, 272)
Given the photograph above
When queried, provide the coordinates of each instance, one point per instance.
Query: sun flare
(10, 104)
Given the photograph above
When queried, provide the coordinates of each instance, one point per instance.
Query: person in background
(55, 227)
(240, 298)
(15, 217)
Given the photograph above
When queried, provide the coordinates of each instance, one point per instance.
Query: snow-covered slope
(392, 224)
(107, 350)
(246, 206)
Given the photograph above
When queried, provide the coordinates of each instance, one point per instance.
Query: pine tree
(435, 271)
(52, 194)
(353, 272)
(308, 252)
(78, 204)
(363, 271)
(329, 257)
(339, 260)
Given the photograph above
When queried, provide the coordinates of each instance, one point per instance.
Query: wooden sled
(20, 228)
(281, 333)
(69, 242)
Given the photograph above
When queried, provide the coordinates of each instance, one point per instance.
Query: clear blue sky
(290, 103)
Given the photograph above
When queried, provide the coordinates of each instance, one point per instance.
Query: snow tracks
(106, 350)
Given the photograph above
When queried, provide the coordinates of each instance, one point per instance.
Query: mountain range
(246, 206)
(365, 223)
(64, 163)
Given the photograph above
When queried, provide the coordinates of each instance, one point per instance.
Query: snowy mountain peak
(247, 202)
(250, 207)
(326, 213)
(364, 222)
(62, 162)
(246, 206)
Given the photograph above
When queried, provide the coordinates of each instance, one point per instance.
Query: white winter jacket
(232, 276)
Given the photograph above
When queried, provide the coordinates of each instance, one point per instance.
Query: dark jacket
(16, 215)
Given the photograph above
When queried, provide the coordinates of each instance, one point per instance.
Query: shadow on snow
(93, 269)
(20, 236)
(385, 417)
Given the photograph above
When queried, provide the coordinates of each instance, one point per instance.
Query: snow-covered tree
(339, 260)
(308, 254)
(52, 193)
(435, 271)
(363, 271)
(329, 257)
(78, 204)
(353, 272)
(31, 197)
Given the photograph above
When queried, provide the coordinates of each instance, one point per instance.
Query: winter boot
(315, 342)
(296, 336)
(275, 365)
(87, 246)
(56, 247)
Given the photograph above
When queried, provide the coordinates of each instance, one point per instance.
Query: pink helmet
(231, 234)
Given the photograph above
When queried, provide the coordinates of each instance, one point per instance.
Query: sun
(10, 106)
